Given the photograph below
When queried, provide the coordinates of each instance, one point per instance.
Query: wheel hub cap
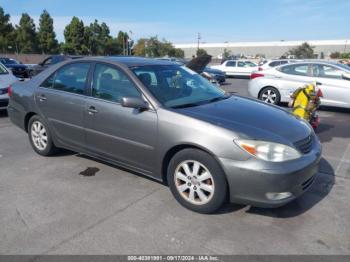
(39, 135)
(194, 182)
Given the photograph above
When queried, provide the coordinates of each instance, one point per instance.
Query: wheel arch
(174, 150)
(27, 117)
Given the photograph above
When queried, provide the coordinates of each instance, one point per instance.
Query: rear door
(292, 77)
(335, 89)
(230, 67)
(61, 100)
(123, 134)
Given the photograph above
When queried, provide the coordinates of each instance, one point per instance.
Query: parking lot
(48, 207)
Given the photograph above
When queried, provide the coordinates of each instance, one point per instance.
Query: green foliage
(26, 35)
(335, 55)
(74, 34)
(303, 51)
(226, 54)
(201, 52)
(153, 47)
(46, 35)
(6, 32)
(345, 55)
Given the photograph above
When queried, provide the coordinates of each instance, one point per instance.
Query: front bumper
(249, 181)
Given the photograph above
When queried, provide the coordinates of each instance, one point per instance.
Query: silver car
(275, 85)
(165, 121)
(6, 79)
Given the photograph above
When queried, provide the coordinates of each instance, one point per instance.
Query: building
(269, 49)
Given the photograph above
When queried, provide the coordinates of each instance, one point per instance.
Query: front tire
(197, 181)
(40, 137)
(270, 95)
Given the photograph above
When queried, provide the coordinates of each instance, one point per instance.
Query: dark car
(217, 74)
(165, 121)
(18, 69)
(49, 61)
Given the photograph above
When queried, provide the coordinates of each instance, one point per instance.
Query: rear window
(299, 69)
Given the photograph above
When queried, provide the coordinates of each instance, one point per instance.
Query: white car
(237, 67)
(266, 64)
(6, 79)
(276, 85)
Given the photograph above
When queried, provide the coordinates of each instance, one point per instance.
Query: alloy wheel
(39, 135)
(194, 182)
(269, 96)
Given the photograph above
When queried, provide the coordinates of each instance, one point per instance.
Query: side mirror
(346, 76)
(135, 102)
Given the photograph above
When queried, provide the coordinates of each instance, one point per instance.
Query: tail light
(9, 91)
(256, 75)
(319, 93)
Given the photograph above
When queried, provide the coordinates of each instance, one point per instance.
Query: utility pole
(198, 40)
(346, 43)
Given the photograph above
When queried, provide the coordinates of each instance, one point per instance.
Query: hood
(213, 71)
(199, 63)
(251, 119)
(15, 66)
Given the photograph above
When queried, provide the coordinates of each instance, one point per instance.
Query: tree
(335, 55)
(140, 47)
(201, 52)
(26, 35)
(303, 51)
(97, 37)
(226, 54)
(6, 32)
(74, 35)
(46, 35)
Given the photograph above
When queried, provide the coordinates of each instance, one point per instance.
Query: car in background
(47, 62)
(180, 61)
(167, 122)
(275, 62)
(18, 69)
(276, 85)
(237, 67)
(216, 74)
(6, 80)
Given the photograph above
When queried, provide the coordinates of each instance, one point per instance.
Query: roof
(131, 61)
(267, 44)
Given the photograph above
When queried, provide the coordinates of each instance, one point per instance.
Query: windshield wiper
(218, 98)
(186, 105)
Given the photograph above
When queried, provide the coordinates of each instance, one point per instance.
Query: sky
(180, 21)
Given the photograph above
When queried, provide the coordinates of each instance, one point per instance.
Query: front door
(61, 101)
(335, 89)
(123, 134)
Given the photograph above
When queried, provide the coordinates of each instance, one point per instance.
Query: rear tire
(40, 137)
(197, 181)
(270, 95)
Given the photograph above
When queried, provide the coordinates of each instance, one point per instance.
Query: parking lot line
(343, 168)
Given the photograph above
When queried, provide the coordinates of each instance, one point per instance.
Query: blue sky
(179, 21)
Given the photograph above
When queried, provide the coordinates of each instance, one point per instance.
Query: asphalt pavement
(48, 207)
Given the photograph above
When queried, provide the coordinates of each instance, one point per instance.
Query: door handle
(92, 110)
(318, 83)
(41, 98)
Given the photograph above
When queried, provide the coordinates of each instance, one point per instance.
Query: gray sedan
(163, 120)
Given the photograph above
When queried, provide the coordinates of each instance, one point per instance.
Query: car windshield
(178, 86)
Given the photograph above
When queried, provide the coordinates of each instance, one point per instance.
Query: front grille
(304, 145)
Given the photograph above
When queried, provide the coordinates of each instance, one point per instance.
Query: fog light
(278, 196)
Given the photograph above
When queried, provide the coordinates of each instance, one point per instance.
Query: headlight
(268, 151)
